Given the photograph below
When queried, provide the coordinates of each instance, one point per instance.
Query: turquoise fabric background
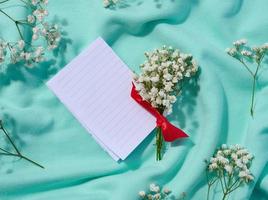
(213, 109)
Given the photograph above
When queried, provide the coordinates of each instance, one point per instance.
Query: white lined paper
(95, 87)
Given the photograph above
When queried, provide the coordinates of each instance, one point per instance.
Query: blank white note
(96, 87)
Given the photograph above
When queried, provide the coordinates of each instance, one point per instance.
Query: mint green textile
(213, 109)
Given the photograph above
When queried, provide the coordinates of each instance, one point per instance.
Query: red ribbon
(170, 132)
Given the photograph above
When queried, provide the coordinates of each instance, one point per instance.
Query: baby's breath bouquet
(161, 81)
(44, 35)
(230, 167)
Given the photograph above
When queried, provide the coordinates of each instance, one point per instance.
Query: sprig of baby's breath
(161, 80)
(248, 55)
(16, 152)
(45, 36)
(229, 166)
(157, 193)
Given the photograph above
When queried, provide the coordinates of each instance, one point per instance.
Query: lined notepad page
(96, 88)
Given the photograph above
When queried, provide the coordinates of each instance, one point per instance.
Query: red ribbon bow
(170, 132)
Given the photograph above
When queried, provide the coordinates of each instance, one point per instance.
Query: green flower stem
(18, 28)
(227, 187)
(232, 189)
(209, 186)
(245, 65)
(27, 3)
(7, 15)
(253, 90)
(222, 186)
(22, 157)
(254, 76)
(31, 161)
(159, 139)
(15, 21)
(159, 144)
(6, 152)
(8, 137)
(17, 154)
(210, 183)
(225, 195)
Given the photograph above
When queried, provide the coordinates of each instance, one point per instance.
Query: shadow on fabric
(184, 108)
(141, 26)
(234, 8)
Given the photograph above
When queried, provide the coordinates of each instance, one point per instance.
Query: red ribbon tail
(171, 133)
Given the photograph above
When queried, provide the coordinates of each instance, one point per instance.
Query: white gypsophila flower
(156, 193)
(21, 44)
(246, 53)
(154, 188)
(161, 73)
(228, 168)
(34, 2)
(35, 30)
(240, 42)
(44, 2)
(264, 47)
(142, 194)
(39, 50)
(3, 46)
(35, 37)
(52, 35)
(2, 56)
(25, 56)
(256, 49)
(227, 152)
(108, 3)
(31, 19)
(40, 14)
(213, 166)
(245, 160)
(231, 51)
(239, 163)
(167, 191)
(157, 196)
(234, 156)
(245, 175)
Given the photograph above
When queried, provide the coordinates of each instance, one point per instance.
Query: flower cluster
(241, 51)
(248, 56)
(45, 36)
(162, 75)
(229, 166)
(234, 160)
(108, 3)
(155, 193)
